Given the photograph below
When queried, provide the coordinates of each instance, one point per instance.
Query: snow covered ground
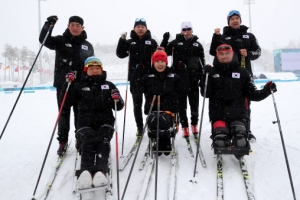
(26, 138)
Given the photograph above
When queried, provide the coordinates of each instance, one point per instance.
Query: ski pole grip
(158, 100)
(153, 100)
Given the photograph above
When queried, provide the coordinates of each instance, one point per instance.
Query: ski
(145, 158)
(172, 188)
(220, 191)
(147, 180)
(245, 174)
(54, 173)
(189, 146)
(130, 154)
(201, 155)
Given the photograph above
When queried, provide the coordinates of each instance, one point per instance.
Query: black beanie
(76, 19)
(140, 21)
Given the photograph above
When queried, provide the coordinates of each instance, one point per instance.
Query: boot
(220, 140)
(99, 179)
(62, 148)
(240, 140)
(139, 132)
(194, 129)
(186, 132)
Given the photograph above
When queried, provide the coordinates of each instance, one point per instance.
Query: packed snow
(26, 138)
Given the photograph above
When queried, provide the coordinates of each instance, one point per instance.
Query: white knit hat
(186, 25)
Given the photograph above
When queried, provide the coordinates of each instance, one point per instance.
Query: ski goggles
(140, 20)
(186, 29)
(224, 48)
(233, 12)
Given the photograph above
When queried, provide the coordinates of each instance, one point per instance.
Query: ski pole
(138, 148)
(45, 158)
(200, 125)
(124, 122)
(117, 149)
(50, 28)
(283, 145)
(157, 141)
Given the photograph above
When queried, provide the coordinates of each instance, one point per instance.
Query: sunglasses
(233, 12)
(140, 20)
(186, 29)
(224, 48)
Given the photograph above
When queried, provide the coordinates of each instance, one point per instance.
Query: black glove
(207, 68)
(166, 36)
(271, 85)
(52, 19)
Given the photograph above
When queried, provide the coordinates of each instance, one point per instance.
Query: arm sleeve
(255, 51)
(122, 48)
(50, 41)
(215, 42)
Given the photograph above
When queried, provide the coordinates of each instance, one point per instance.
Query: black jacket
(95, 104)
(228, 86)
(238, 39)
(190, 52)
(139, 51)
(71, 52)
(168, 85)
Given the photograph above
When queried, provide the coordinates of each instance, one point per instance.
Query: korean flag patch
(195, 44)
(246, 36)
(148, 42)
(235, 75)
(171, 75)
(104, 87)
(84, 47)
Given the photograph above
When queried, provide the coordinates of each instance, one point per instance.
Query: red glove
(115, 94)
(70, 76)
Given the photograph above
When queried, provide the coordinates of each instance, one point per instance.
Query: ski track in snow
(26, 138)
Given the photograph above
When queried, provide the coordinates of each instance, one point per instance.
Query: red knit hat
(159, 54)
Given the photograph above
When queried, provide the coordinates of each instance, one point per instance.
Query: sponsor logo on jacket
(68, 45)
(104, 87)
(84, 47)
(216, 76)
(179, 43)
(236, 75)
(227, 38)
(86, 89)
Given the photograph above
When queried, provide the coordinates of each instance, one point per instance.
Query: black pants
(193, 97)
(137, 109)
(64, 119)
(95, 148)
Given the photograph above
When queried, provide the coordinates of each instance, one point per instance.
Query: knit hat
(76, 19)
(140, 21)
(90, 61)
(159, 54)
(224, 47)
(232, 13)
(186, 25)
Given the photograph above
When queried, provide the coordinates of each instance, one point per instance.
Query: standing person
(228, 86)
(71, 50)
(244, 45)
(185, 48)
(95, 98)
(161, 81)
(139, 49)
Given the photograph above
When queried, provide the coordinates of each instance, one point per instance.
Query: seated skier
(228, 88)
(169, 86)
(96, 99)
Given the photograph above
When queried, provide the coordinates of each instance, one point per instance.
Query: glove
(115, 94)
(166, 36)
(271, 85)
(207, 68)
(52, 19)
(181, 65)
(70, 76)
(123, 35)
